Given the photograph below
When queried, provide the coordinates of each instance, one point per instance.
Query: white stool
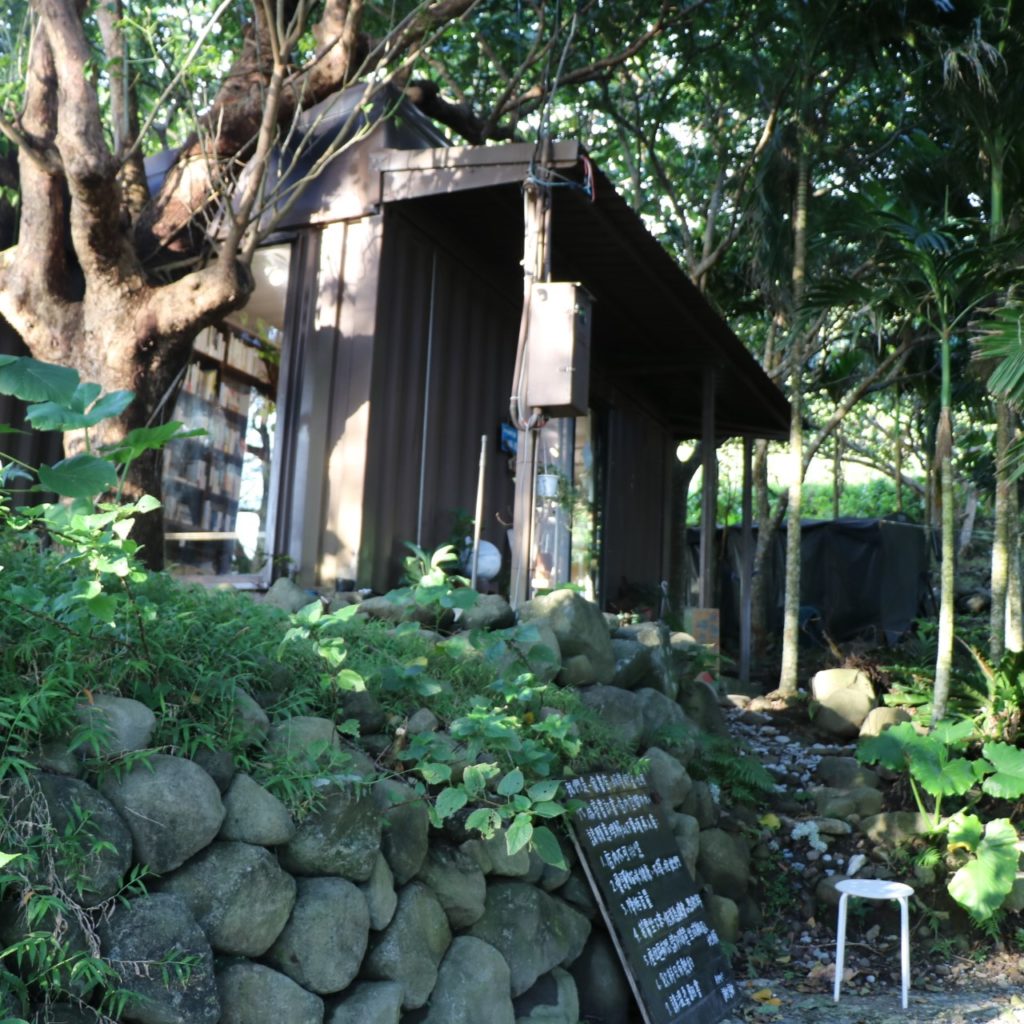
(873, 889)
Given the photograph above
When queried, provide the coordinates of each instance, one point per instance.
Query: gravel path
(989, 990)
(962, 1005)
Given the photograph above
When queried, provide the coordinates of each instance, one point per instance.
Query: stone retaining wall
(360, 913)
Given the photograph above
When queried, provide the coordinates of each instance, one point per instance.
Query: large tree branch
(34, 276)
(100, 242)
(124, 108)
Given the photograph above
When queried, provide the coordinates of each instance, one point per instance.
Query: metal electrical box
(558, 348)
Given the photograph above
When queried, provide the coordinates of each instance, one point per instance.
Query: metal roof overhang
(654, 334)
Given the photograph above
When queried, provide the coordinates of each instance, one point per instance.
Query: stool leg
(905, 950)
(840, 945)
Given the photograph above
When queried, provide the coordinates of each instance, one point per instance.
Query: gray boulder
(894, 828)
(724, 862)
(405, 836)
(881, 718)
(341, 837)
(252, 815)
(533, 930)
(665, 724)
(171, 807)
(287, 595)
(845, 773)
(96, 840)
(620, 711)
(389, 609)
(668, 778)
(62, 1013)
(724, 917)
(238, 894)
(379, 890)
(552, 1000)
(700, 804)
(577, 670)
(305, 739)
(251, 722)
(632, 663)
(650, 634)
(150, 929)
(457, 881)
(604, 992)
(323, 943)
(700, 702)
(491, 611)
(368, 1002)
(578, 625)
(219, 764)
(494, 859)
(409, 951)
(472, 986)
(254, 994)
(686, 832)
(115, 725)
(364, 707)
(863, 801)
(843, 697)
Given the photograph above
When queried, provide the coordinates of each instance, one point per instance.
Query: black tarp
(859, 578)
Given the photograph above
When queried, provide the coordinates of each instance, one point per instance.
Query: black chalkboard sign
(655, 915)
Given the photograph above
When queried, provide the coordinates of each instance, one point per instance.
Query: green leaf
(449, 801)
(6, 858)
(544, 790)
(982, 885)
(475, 776)
(1007, 782)
(484, 820)
(434, 773)
(890, 748)
(102, 607)
(964, 830)
(953, 734)
(943, 778)
(350, 681)
(144, 439)
(548, 847)
(548, 809)
(309, 615)
(512, 783)
(81, 476)
(519, 833)
(33, 381)
(147, 503)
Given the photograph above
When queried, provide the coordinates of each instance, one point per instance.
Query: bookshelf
(203, 475)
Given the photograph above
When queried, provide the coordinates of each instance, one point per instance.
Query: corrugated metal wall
(636, 496)
(443, 361)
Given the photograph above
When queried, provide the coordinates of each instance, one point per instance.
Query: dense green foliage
(80, 617)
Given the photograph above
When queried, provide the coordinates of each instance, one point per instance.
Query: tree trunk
(1014, 610)
(944, 459)
(679, 575)
(1000, 529)
(788, 680)
(758, 586)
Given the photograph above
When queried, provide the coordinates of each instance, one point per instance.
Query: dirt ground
(962, 1003)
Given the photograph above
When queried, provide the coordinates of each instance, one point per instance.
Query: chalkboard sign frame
(646, 895)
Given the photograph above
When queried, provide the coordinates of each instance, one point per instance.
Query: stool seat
(875, 889)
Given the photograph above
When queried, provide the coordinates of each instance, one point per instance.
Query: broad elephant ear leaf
(33, 381)
(81, 476)
(1007, 782)
(982, 884)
